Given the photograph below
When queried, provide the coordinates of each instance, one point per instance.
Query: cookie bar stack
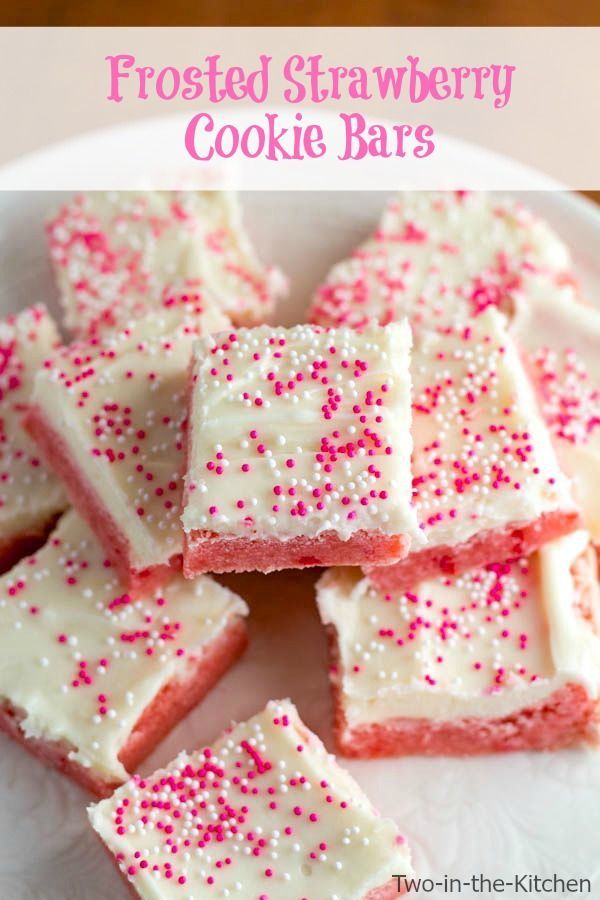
(430, 434)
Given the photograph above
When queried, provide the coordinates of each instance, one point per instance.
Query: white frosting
(80, 659)
(115, 253)
(29, 494)
(300, 431)
(436, 255)
(487, 643)
(482, 457)
(273, 775)
(561, 343)
(119, 402)
(246, 290)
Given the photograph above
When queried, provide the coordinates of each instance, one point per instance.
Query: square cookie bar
(109, 414)
(436, 256)
(486, 481)
(264, 814)
(560, 342)
(505, 657)
(115, 253)
(90, 680)
(299, 449)
(31, 497)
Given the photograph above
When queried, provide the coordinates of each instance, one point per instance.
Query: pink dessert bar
(560, 342)
(436, 255)
(115, 253)
(486, 481)
(109, 414)
(505, 657)
(264, 813)
(90, 680)
(298, 449)
(31, 497)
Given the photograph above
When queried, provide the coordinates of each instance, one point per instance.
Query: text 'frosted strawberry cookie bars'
(560, 342)
(298, 449)
(486, 481)
(266, 813)
(90, 679)
(108, 414)
(115, 253)
(505, 657)
(439, 255)
(30, 495)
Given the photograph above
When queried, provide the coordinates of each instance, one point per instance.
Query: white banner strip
(342, 108)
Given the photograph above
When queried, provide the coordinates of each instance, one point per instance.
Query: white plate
(501, 815)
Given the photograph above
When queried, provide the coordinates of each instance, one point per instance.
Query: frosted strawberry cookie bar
(299, 449)
(108, 413)
(115, 253)
(438, 255)
(505, 657)
(90, 681)
(30, 495)
(265, 813)
(486, 481)
(560, 341)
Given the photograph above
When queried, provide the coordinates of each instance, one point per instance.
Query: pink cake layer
(89, 503)
(564, 719)
(513, 541)
(170, 705)
(568, 716)
(208, 552)
(387, 891)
